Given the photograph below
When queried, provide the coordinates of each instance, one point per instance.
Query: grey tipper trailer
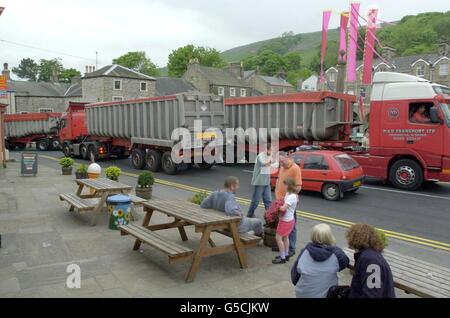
(147, 125)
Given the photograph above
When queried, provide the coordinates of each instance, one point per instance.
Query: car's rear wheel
(406, 174)
(331, 192)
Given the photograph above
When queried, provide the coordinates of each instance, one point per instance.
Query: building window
(232, 91)
(143, 86)
(46, 110)
(420, 70)
(243, 92)
(117, 85)
(332, 77)
(221, 91)
(443, 69)
(117, 98)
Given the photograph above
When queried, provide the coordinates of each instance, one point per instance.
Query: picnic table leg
(238, 245)
(99, 209)
(145, 223)
(183, 235)
(199, 254)
(211, 242)
(78, 193)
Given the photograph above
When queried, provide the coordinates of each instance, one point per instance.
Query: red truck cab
(407, 148)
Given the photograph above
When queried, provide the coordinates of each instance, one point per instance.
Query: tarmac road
(424, 213)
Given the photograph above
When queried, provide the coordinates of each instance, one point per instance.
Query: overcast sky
(114, 27)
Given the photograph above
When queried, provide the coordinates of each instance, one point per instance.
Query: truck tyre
(406, 174)
(21, 146)
(55, 144)
(92, 153)
(9, 146)
(84, 153)
(331, 192)
(153, 160)
(205, 166)
(42, 144)
(66, 150)
(168, 166)
(138, 158)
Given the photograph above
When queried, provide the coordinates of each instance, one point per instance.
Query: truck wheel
(92, 153)
(42, 144)
(21, 146)
(331, 192)
(55, 144)
(153, 160)
(168, 165)
(406, 174)
(9, 146)
(205, 166)
(66, 150)
(138, 158)
(84, 153)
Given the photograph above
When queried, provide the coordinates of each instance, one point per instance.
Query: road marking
(407, 192)
(308, 215)
(249, 171)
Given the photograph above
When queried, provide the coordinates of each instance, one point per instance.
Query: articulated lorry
(142, 128)
(403, 150)
(41, 128)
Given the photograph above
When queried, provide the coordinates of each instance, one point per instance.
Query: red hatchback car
(330, 172)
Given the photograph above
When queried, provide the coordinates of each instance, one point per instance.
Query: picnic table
(188, 214)
(94, 201)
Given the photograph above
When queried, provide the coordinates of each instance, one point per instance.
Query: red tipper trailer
(42, 128)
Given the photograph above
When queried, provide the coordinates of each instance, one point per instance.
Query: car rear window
(346, 162)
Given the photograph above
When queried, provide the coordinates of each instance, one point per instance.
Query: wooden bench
(248, 240)
(135, 200)
(175, 251)
(415, 276)
(82, 205)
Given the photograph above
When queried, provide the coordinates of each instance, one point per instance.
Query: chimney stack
(6, 72)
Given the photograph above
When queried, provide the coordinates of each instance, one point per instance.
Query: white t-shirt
(291, 199)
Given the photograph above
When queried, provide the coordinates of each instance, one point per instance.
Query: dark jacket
(373, 276)
(320, 253)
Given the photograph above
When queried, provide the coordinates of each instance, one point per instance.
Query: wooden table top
(190, 212)
(103, 184)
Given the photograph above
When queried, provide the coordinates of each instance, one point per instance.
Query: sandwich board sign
(29, 164)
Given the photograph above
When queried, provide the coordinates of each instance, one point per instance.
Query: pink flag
(369, 46)
(342, 58)
(325, 22)
(353, 44)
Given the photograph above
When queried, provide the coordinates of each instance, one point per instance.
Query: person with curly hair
(372, 274)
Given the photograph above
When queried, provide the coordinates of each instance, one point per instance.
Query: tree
(67, 75)
(294, 76)
(27, 69)
(293, 61)
(139, 62)
(179, 58)
(331, 57)
(50, 69)
(268, 62)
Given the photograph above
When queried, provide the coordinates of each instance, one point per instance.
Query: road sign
(3, 86)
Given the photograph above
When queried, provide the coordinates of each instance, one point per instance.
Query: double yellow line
(307, 215)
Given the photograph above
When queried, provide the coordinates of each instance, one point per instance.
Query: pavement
(40, 238)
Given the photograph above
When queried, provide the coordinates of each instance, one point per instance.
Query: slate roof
(171, 85)
(74, 90)
(219, 76)
(275, 81)
(115, 70)
(41, 89)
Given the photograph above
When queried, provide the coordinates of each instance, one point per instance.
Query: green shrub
(113, 173)
(383, 238)
(145, 179)
(82, 168)
(199, 197)
(66, 162)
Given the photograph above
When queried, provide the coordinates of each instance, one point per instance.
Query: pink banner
(342, 55)
(352, 43)
(325, 23)
(369, 47)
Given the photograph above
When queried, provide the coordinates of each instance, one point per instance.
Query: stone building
(222, 82)
(268, 85)
(112, 82)
(172, 85)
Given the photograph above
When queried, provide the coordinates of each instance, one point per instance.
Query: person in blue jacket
(372, 275)
(317, 265)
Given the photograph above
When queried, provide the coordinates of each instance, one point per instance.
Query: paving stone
(107, 281)
(8, 286)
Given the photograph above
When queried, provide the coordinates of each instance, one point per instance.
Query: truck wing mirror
(434, 115)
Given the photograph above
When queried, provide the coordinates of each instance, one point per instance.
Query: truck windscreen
(446, 110)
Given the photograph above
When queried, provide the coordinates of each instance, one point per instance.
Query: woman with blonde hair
(316, 268)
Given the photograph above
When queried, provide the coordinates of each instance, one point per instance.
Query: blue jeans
(293, 236)
(258, 192)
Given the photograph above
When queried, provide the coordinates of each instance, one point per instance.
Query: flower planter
(144, 193)
(66, 171)
(81, 175)
(269, 236)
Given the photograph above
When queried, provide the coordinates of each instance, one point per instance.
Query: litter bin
(119, 207)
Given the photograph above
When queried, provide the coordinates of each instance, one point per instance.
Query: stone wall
(32, 104)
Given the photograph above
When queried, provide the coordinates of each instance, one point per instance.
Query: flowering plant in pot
(81, 172)
(66, 164)
(144, 187)
(113, 173)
